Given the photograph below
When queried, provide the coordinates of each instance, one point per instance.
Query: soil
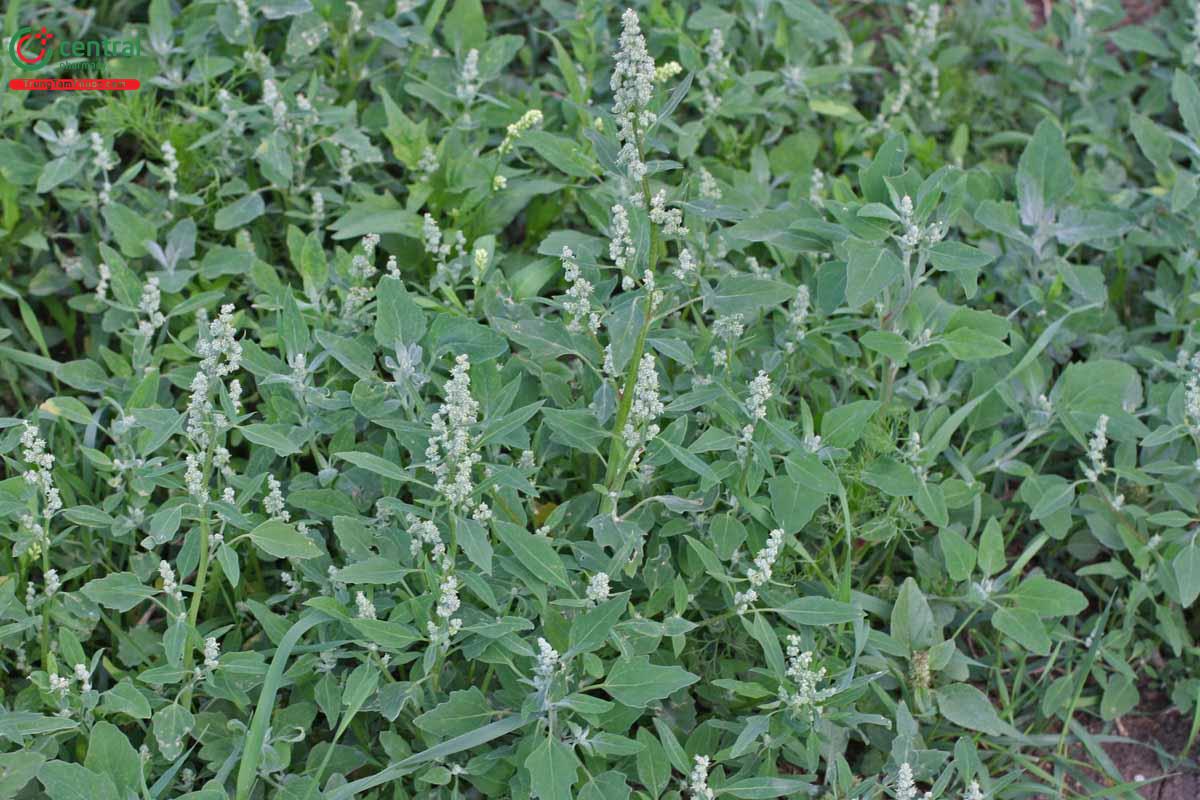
(1168, 730)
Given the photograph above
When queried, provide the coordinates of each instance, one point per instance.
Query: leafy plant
(546, 401)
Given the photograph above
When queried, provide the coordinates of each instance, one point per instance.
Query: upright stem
(614, 477)
(201, 577)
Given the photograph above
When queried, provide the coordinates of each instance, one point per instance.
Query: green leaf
(393, 636)
(931, 501)
(818, 612)
(464, 711)
(757, 788)
(281, 540)
(958, 554)
(967, 707)
(633, 681)
(283, 439)
(1120, 697)
(118, 590)
(111, 754)
(398, 318)
(64, 781)
(871, 267)
(1043, 173)
(17, 769)
(239, 213)
(653, 768)
(535, 553)
(575, 428)
(373, 463)
(913, 626)
(1049, 598)
(793, 504)
(590, 629)
(15, 725)
(1187, 573)
(131, 229)
(1186, 94)
(844, 425)
(59, 171)
(968, 344)
(553, 769)
(1024, 628)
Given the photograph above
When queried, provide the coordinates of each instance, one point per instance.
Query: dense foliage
(755, 399)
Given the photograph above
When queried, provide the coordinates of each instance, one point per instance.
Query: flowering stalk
(633, 85)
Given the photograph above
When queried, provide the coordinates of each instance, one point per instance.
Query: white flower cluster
(620, 246)
(640, 426)
(40, 463)
(598, 588)
(451, 454)
(669, 70)
(193, 479)
(709, 189)
(171, 172)
(1191, 398)
(273, 100)
(274, 503)
(220, 355)
(364, 606)
(671, 219)
(760, 393)
(760, 572)
(906, 785)
(729, 327)
(577, 302)
(914, 235)
(530, 119)
(468, 77)
(428, 163)
(440, 249)
(809, 695)
(169, 586)
(52, 583)
(212, 653)
(104, 275)
(545, 666)
(716, 68)
(633, 88)
(424, 532)
(362, 271)
(798, 315)
(686, 269)
(59, 684)
(1095, 452)
(448, 603)
(148, 307)
(104, 160)
(698, 779)
(912, 454)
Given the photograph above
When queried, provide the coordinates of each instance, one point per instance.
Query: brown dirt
(1167, 730)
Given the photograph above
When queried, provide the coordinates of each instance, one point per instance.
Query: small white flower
(545, 666)
(274, 502)
(671, 219)
(212, 652)
(366, 609)
(633, 88)
(698, 779)
(640, 425)
(468, 77)
(598, 588)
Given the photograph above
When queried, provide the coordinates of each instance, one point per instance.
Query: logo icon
(30, 50)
